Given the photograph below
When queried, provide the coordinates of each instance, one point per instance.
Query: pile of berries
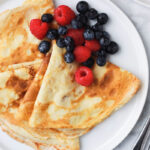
(84, 43)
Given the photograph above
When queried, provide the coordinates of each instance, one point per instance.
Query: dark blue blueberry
(87, 27)
(89, 34)
(76, 24)
(104, 41)
(52, 34)
(44, 47)
(97, 27)
(82, 18)
(101, 61)
(82, 6)
(62, 30)
(89, 63)
(69, 40)
(47, 18)
(70, 48)
(61, 42)
(112, 48)
(102, 18)
(69, 57)
(98, 34)
(106, 34)
(103, 48)
(92, 13)
(101, 53)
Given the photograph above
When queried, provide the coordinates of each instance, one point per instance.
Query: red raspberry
(38, 28)
(84, 76)
(93, 45)
(77, 35)
(82, 53)
(64, 15)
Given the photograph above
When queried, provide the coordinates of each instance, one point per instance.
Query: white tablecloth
(140, 16)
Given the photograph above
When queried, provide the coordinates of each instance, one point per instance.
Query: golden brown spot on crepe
(15, 104)
(16, 83)
(22, 51)
(107, 79)
(19, 85)
(32, 72)
(92, 94)
(112, 92)
(20, 21)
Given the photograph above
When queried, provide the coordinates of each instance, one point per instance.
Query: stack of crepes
(40, 102)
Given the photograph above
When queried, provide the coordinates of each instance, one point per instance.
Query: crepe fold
(17, 44)
(22, 67)
(62, 103)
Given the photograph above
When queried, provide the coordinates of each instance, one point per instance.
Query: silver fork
(143, 137)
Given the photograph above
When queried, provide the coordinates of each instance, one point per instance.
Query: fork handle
(142, 136)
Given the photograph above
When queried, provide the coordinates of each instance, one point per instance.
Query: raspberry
(82, 53)
(84, 76)
(64, 15)
(93, 45)
(77, 35)
(38, 28)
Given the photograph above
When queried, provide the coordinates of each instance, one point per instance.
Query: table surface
(140, 16)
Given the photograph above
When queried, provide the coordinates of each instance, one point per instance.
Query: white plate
(145, 3)
(132, 57)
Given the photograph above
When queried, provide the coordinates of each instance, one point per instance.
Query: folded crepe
(14, 85)
(27, 104)
(19, 62)
(17, 44)
(63, 103)
(21, 135)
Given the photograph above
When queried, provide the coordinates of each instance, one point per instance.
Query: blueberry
(97, 27)
(87, 27)
(89, 63)
(47, 18)
(89, 34)
(52, 34)
(44, 47)
(82, 7)
(68, 40)
(104, 41)
(70, 48)
(92, 13)
(101, 61)
(102, 18)
(82, 18)
(69, 57)
(98, 34)
(103, 48)
(62, 30)
(76, 24)
(101, 53)
(61, 42)
(106, 34)
(112, 48)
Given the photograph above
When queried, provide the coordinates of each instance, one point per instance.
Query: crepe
(36, 143)
(27, 103)
(20, 61)
(17, 44)
(63, 103)
(13, 87)
(15, 82)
